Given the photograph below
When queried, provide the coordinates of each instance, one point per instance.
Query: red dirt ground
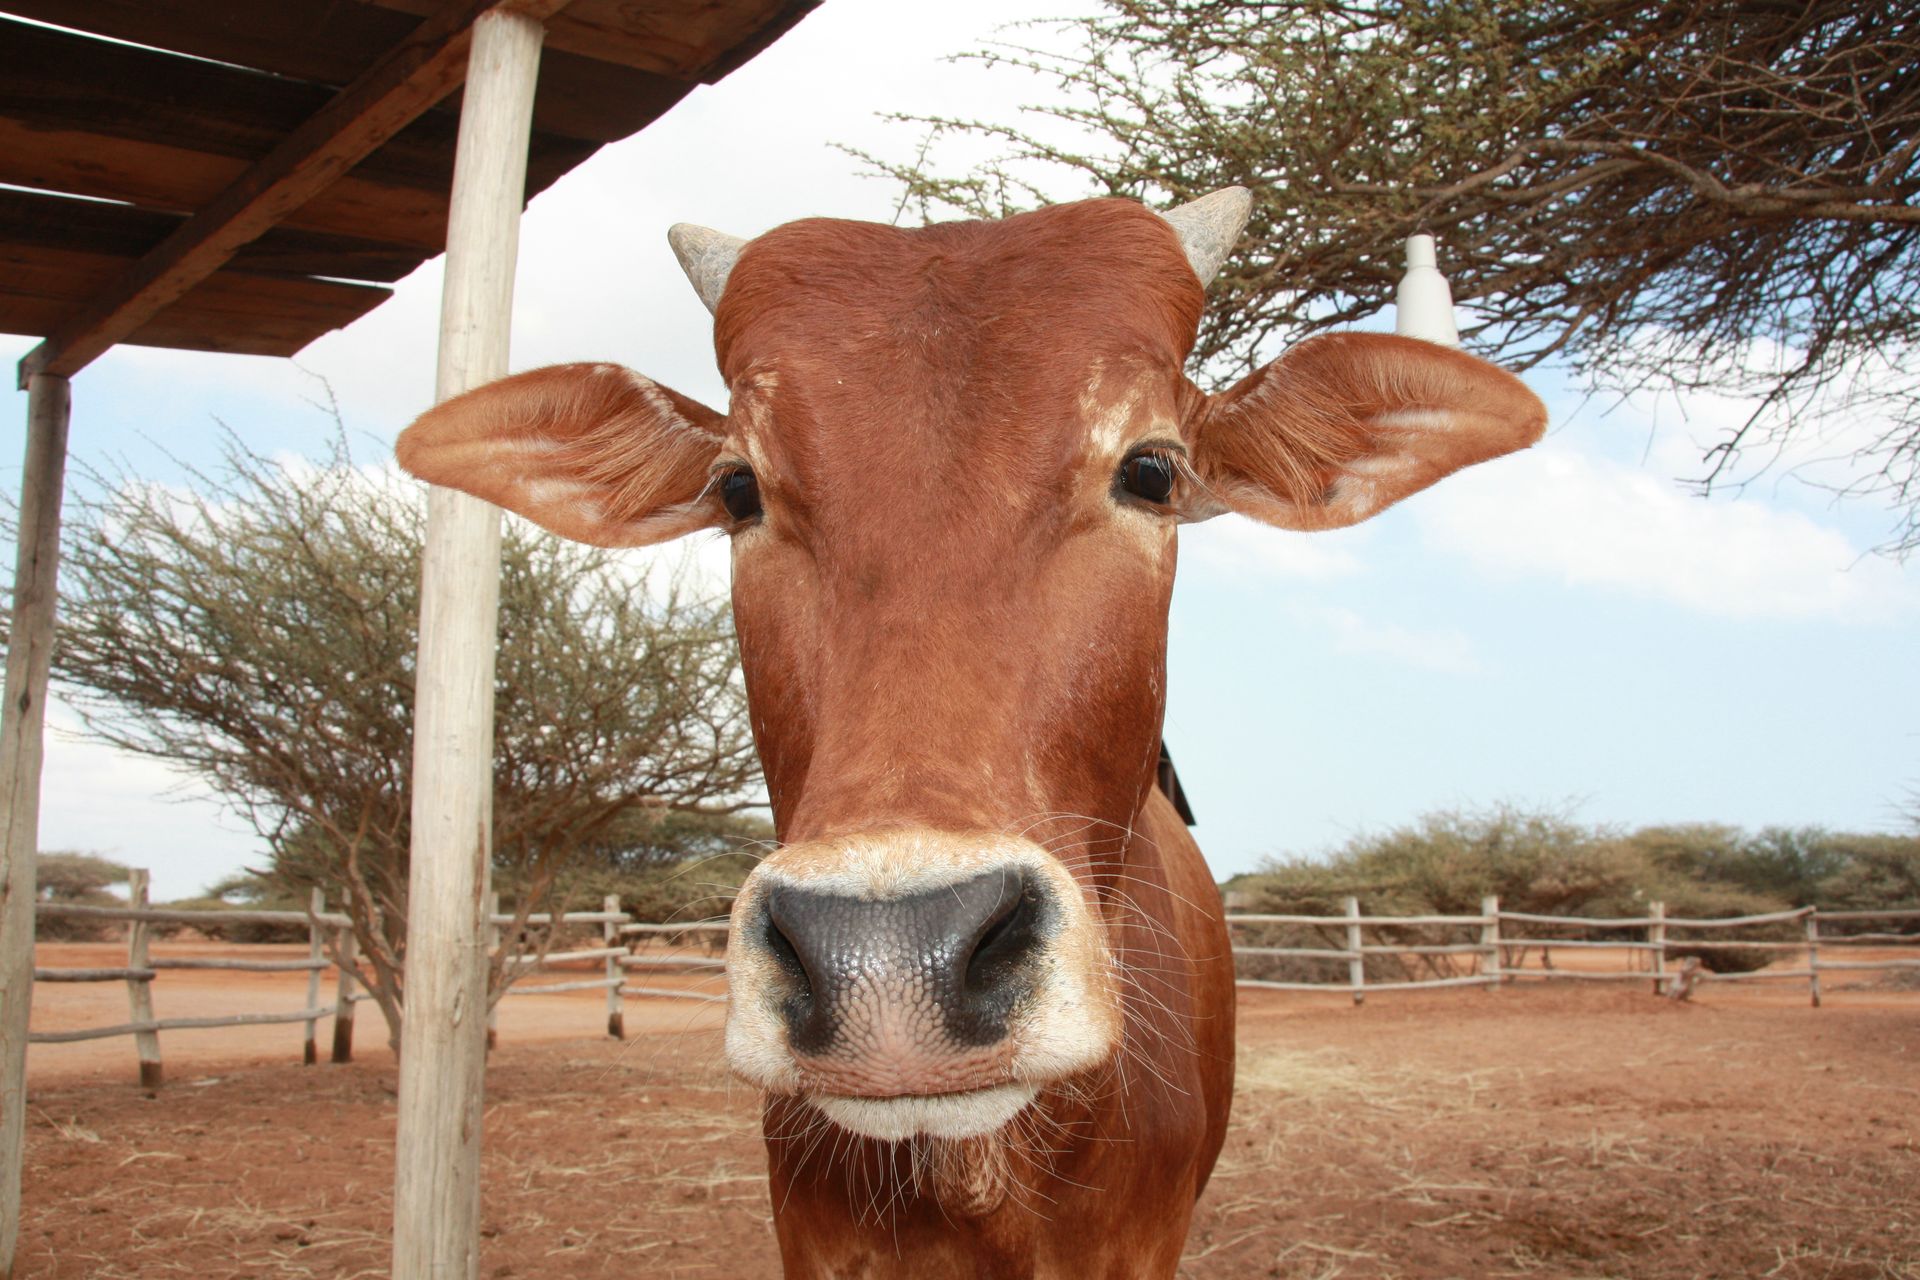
(1542, 1131)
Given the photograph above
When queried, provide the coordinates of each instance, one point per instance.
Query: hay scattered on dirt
(1523, 1133)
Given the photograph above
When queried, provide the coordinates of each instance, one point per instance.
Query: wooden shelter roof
(232, 175)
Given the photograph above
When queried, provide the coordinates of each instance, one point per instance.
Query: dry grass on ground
(1528, 1132)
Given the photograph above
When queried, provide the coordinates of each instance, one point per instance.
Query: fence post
(496, 964)
(1657, 938)
(343, 996)
(1490, 940)
(1813, 954)
(140, 994)
(1357, 965)
(316, 903)
(610, 936)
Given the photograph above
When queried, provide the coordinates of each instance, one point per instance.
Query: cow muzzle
(916, 983)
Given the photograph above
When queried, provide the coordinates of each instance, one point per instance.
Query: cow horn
(706, 256)
(1209, 226)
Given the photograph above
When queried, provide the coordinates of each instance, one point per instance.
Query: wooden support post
(140, 994)
(493, 949)
(436, 1184)
(343, 997)
(1490, 940)
(1657, 939)
(1357, 965)
(316, 903)
(610, 937)
(1813, 955)
(22, 726)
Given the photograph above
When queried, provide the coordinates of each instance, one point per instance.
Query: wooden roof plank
(668, 37)
(241, 311)
(175, 180)
(53, 81)
(37, 220)
(330, 42)
(406, 81)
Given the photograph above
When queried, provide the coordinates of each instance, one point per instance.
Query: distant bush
(1878, 872)
(1445, 863)
(77, 879)
(244, 891)
(667, 891)
(1542, 863)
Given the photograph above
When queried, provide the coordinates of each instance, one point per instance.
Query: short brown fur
(953, 619)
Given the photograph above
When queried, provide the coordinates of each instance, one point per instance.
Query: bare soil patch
(1533, 1131)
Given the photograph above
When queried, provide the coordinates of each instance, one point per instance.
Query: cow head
(952, 468)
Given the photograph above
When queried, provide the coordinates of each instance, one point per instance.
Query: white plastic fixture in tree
(1423, 305)
(436, 1182)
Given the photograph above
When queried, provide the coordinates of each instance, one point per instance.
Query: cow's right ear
(594, 452)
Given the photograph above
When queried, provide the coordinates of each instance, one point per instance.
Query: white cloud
(1565, 514)
(137, 810)
(1232, 544)
(1447, 650)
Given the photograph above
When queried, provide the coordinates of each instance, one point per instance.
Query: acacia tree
(260, 630)
(1679, 194)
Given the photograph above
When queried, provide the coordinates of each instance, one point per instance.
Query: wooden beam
(702, 42)
(412, 77)
(29, 658)
(33, 221)
(330, 43)
(436, 1185)
(237, 311)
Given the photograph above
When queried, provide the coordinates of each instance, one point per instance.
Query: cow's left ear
(1345, 425)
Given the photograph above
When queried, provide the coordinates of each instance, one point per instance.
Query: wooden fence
(142, 968)
(1494, 955)
(618, 932)
(1489, 953)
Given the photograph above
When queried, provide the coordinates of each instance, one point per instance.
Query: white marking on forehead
(1111, 419)
(751, 413)
(1118, 407)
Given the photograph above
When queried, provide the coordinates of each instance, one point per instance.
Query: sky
(1566, 628)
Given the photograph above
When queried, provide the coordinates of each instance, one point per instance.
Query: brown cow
(984, 981)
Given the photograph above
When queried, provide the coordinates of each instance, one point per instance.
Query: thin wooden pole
(1490, 940)
(1357, 964)
(140, 994)
(343, 998)
(316, 905)
(610, 937)
(1813, 955)
(22, 727)
(1657, 939)
(436, 1184)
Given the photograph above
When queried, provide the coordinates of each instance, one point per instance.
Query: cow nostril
(1008, 938)
(783, 951)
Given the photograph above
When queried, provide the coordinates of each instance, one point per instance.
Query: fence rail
(1498, 962)
(1495, 955)
(331, 945)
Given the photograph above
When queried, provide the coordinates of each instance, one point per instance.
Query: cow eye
(1149, 475)
(740, 494)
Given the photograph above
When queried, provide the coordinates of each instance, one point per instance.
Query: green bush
(1542, 863)
(245, 891)
(1878, 873)
(76, 879)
